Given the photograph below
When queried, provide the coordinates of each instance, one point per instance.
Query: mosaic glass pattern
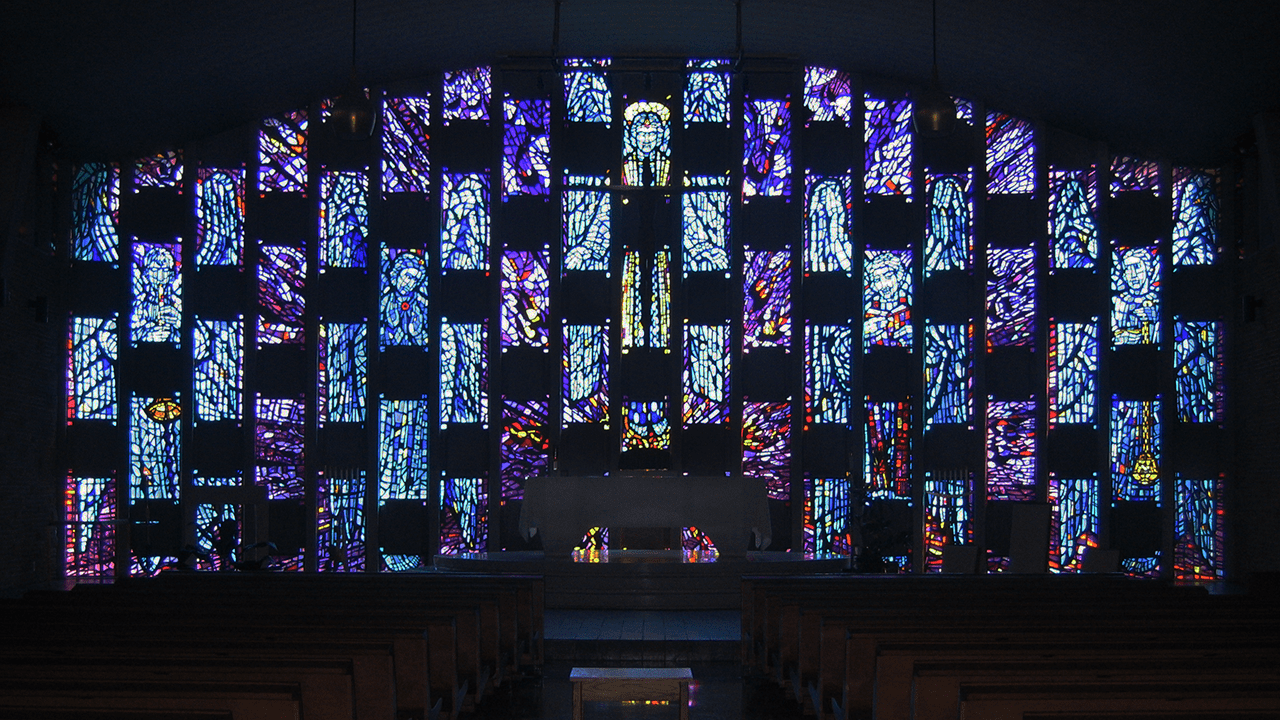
(155, 448)
(282, 272)
(705, 227)
(586, 91)
(826, 517)
(1011, 450)
(1075, 522)
(828, 95)
(948, 374)
(886, 464)
(766, 158)
(92, 353)
(1073, 223)
(95, 212)
(948, 230)
(1197, 370)
(586, 227)
(1011, 297)
(585, 378)
(646, 144)
(344, 219)
(766, 446)
(466, 94)
(1073, 373)
(1135, 449)
(1199, 542)
(525, 447)
(766, 290)
(464, 519)
(888, 147)
(219, 216)
(157, 294)
(464, 377)
(344, 366)
(526, 147)
(404, 449)
(162, 170)
(1011, 155)
(660, 301)
(646, 324)
(340, 522)
(464, 228)
(403, 298)
(948, 507)
(1195, 217)
(828, 373)
(218, 361)
(279, 432)
(282, 153)
(828, 241)
(645, 426)
(1135, 296)
(218, 535)
(887, 294)
(90, 538)
(1133, 175)
(406, 136)
(706, 374)
(525, 299)
(706, 92)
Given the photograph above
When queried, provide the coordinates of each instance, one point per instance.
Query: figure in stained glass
(646, 144)
(157, 293)
(886, 298)
(219, 216)
(828, 243)
(948, 232)
(1135, 296)
(403, 298)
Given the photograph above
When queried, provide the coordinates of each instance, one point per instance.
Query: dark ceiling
(1179, 79)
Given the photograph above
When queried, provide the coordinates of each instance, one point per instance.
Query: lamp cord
(935, 35)
(353, 36)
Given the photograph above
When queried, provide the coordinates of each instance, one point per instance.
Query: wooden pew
(244, 701)
(1004, 702)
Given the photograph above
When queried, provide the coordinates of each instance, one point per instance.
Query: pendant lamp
(934, 111)
(354, 115)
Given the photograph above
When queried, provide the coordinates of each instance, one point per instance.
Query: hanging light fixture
(354, 115)
(934, 111)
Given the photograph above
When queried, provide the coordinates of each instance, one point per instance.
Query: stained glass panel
(633, 325)
(948, 230)
(1195, 217)
(660, 301)
(157, 293)
(887, 295)
(828, 373)
(525, 447)
(889, 144)
(1075, 522)
(586, 92)
(466, 94)
(92, 353)
(525, 299)
(826, 517)
(406, 134)
(586, 373)
(948, 506)
(218, 363)
(1133, 175)
(706, 92)
(766, 290)
(464, 515)
(1197, 370)
(1011, 155)
(279, 433)
(705, 225)
(343, 370)
(1073, 373)
(766, 446)
(948, 374)
(886, 465)
(828, 242)
(344, 219)
(828, 95)
(404, 444)
(1011, 450)
(403, 298)
(155, 448)
(526, 147)
(464, 229)
(586, 226)
(340, 521)
(219, 216)
(646, 144)
(95, 212)
(706, 374)
(464, 378)
(645, 426)
(90, 541)
(282, 272)
(1011, 297)
(282, 153)
(162, 170)
(1135, 449)
(1135, 296)
(218, 535)
(1073, 213)
(1199, 543)
(766, 159)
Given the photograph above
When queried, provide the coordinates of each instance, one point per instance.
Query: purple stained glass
(524, 448)
(340, 521)
(766, 290)
(1073, 212)
(1011, 155)
(162, 170)
(526, 147)
(282, 153)
(344, 220)
(766, 159)
(466, 94)
(279, 430)
(282, 272)
(889, 146)
(766, 446)
(949, 230)
(828, 95)
(1133, 175)
(887, 296)
(1135, 449)
(1011, 297)
(464, 516)
(525, 299)
(886, 464)
(406, 166)
(90, 540)
(1011, 450)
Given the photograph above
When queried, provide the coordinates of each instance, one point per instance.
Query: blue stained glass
(660, 301)
(586, 228)
(964, 110)
(826, 517)
(1199, 542)
(464, 386)
(404, 443)
(92, 354)
(524, 448)
(645, 426)
(887, 295)
(1011, 297)
(646, 144)
(219, 216)
(344, 219)
(464, 232)
(406, 166)
(705, 228)
(586, 374)
(948, 231)
(1073, 212)
(1197, 370)
(279, 433)
(766, 291)
(1073, 373)
(948, 374)
(706, 92)
(948, 504)
(1011, 450)
(464, 517)
(886, 465)
(467, 93)
(632, 301)
(828, 242)
(218, 533)
(1134, 175)
(162, 170)
(1135, 296)
(282, 272)
(1075, 522)
(157, 293)
(526, 147)
(217, 359)
(706, 374)
(340, 522)
(766, 446)
(155, 448)
(766, 158)
(525, 299)
(586, 92)
(343, 369)
(1011, 155)
(95, 212)
(1135, 449)
(641, 328)
(1195, 217)
(402, 300)
(282, 482)
(828, 373)
(282, 153)
(90, 539)
(888, 146)
(204, 481)
(828, 95)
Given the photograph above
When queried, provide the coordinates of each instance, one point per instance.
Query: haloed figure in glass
(157, 300)
(1137, 311)
(888, 312)
(402, 306)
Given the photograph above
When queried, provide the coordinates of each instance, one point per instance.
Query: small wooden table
(613, 684)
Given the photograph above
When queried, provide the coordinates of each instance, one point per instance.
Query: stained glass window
(646, 144)
(586, 225)
(464, 231)
(766, 291)
(828, 243)
(1135, 449)
(948, 230)
(344, 219)
(886, 464)
(1132, 175)
(645, 426)
(464, 519)
(632, 301)
(948, 374)
(948, 506)
(219, 216)
(964, 110)
(402, 300)
(279, 433)
(828, 373)
(706, 92)
(646, 325)
(406, 167)
(90, 540)
(586, 91)
(1073, 224)
(466, 94)
(1011, 297)
(706, 374)
(525, 299)
(526, 147)
(766, 159)
(218, 534)
(525, 447)
(766, 446)
(1195, 217)
(95, 212)
(889, 142)
(1011, 155)
(162, 170)
(92, 353)
(1198, 552)
(1011, 450)
(705, 224)
(1135, 296)
(1075, 521)
(586, 374)
(282, 272)
(660, 301)
(1073, 373)
(826, 517)
(404, 444)
(1197, 370)
(282, 153)
(887, 294)
(340, 521)
(828, 95)
(343, 369)
(218, 362)
(155, 448)
(157, 293)
(464, 386)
